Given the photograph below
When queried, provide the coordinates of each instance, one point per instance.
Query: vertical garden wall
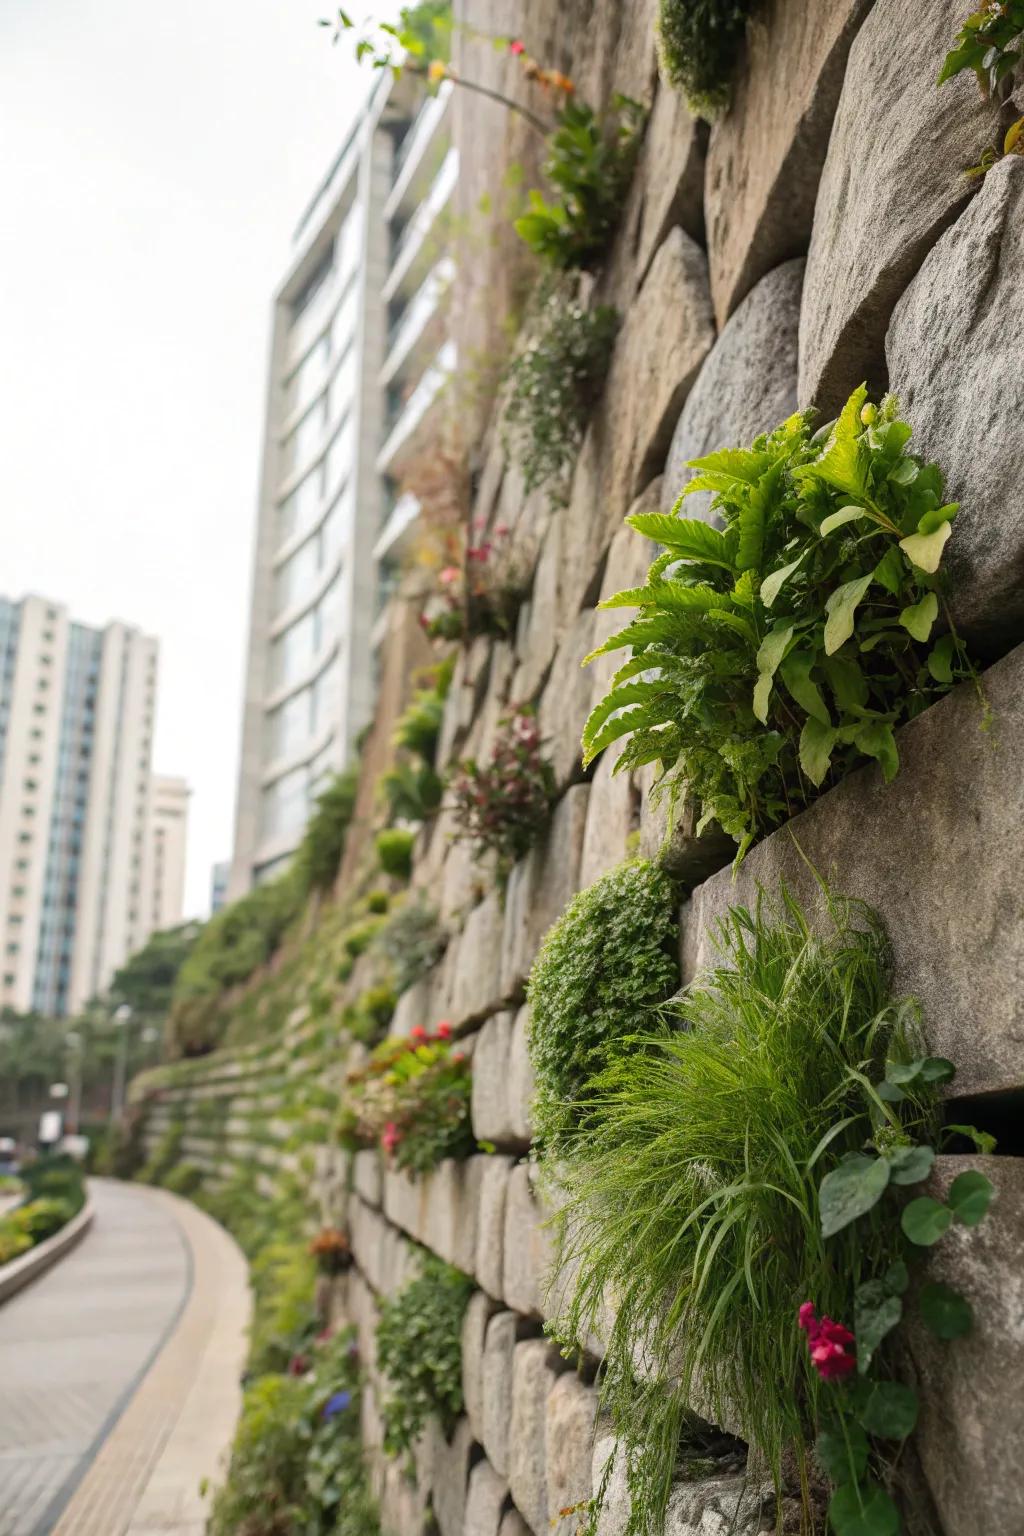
(818, 235)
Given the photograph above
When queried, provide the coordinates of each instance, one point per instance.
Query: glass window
(343, 325)
(289, 726)
(341, 390)
(335, 531)
(308, 378)
(302, 507)
(293, 580)
(301, 445)
(340, 456)
(349, 241)
(285, 804)
(326, 700)
(292, 652)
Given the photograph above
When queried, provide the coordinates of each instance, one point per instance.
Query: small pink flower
(444, 1030)
(389, 1137)
(449, 574)
(417, 1032)
(517, 47)
(501, 530)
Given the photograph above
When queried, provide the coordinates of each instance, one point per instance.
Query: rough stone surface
(747, 384)
(490, 1102)
(542, 619)
(413, 1007)
(367, 1175)
(476, 989)
(971, 1426)
(490, 1235)
(613, 817)
(503, 1333)
(528, 1245)
(938, 854)
(569, 1449)
(475, 1383)
(565, 703)
(629, 558)
(955, 324)
(520, 1078)
(485, 1501)
(540, 887)
(533, 1376)
(719, 1506)
(451, 1476)
(668, 833)
(453, 1211)
(766, 154)
(872, 230)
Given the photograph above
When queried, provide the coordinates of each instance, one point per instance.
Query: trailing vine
(773, 655)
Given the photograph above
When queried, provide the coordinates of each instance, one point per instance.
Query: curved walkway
(119, 1374)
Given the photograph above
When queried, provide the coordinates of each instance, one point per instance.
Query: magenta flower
(831, 1345)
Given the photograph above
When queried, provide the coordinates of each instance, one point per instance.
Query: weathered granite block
(629, 558)
(490, 1103)
(503, 1333)
(485, 1501)
(971, 1423)
(565, 702)
(613, 818)
(954, 325)
(542, 619)
(520, 1079)
(490, 1236)
(528, 1244)
(766, 153)
(413, 1007)
(872, 231)
(367, 1175)
(477, 982)
(746, 386)
(513, 1524)
(475, 1380)
(534, 1372)
(541, 886)
(938, 853)
(569, 1450)
(668, 833)
(405, 1200)
(451, 1476)
(452, 1211)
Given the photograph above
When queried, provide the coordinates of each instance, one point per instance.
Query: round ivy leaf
(903, 1071)
(888, 1409)
(863, 1509)
(937, 1069)
(970, 1195)
(909, 1165)
(843, 1464)
(850, 1191)
(924, 1220)
(896, 1278)
(875, 1313)
(947, 1313)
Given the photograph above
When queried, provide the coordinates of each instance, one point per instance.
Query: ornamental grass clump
(419, 1351)
(773, 655)
(503, 807)
(601, 975)
(693, 1203)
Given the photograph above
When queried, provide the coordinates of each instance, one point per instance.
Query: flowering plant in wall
(991, 43)
(777, 652)
(412, 1099)
(330, 1247)
(483, 594)
(504, 805)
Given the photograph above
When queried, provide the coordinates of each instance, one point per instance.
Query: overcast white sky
(154, 159)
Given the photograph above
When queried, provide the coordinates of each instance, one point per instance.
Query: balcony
(412, 422)
(420, 241)
(420, 154)
(416, 334)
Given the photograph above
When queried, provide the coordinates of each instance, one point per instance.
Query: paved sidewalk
(119, 1374)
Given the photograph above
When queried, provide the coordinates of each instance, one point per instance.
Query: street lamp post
(122, 1017)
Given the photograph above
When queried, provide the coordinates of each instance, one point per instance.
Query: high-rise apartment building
(359, 354)
(164, 871)
(76, 733)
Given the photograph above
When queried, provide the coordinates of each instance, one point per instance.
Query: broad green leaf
(773, 648)
(924, 1220)
(970, 1196)
(762, 696)
(847, 681)
(817, 742)
(842, 463)
(772, 585)
(891, 572)
(936, 517)
(888, 1409)
(918, 618)
(946, 1312)
(903, 473)
(734, 466)
(796, 674)
(850, 1191)
(937, 1069)
(618, 698)
(838, 519)
(844, 1457)
(940, 659)
(687, 537)
(982, 1140)
(896, 1278)
(863, 1509)
(910, 1165)
(840, 608)
(925, 549)
(876, 739)
(876, 1313)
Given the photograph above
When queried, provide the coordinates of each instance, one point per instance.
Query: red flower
(830, 1344)
(444, 1030)
(298, 1365)
(390, 1138)
(517, 47)
(417, 1032)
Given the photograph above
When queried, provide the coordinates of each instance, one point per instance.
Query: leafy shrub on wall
(503, 806)
(773, 655)
(419, 1350)
(394, 851)
(699, 41)
(602, 973)
(323, 842)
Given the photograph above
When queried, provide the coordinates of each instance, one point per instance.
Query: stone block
(541, 886)
(529, 1245)
(367, 1175)
(503, 1334)
(766, 153)
(668, 833)
(405, 1200)
(490, 1233)
(746, 386)
(613, 818)
(452, 1209)
(938, 854)
(476, 977)
(971, 1424)
(485, 1501)
(669, 177)
(451, 1476)
(569, 1450)
(513, 1524)
(534, 1372)
(629, 558)
(479, 1311)
(413, 1007)
(565, 702)
(520, 1079)
(542, 619)
(952, 325)
(490, 1104)
(873, 229)
(731, 1505)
